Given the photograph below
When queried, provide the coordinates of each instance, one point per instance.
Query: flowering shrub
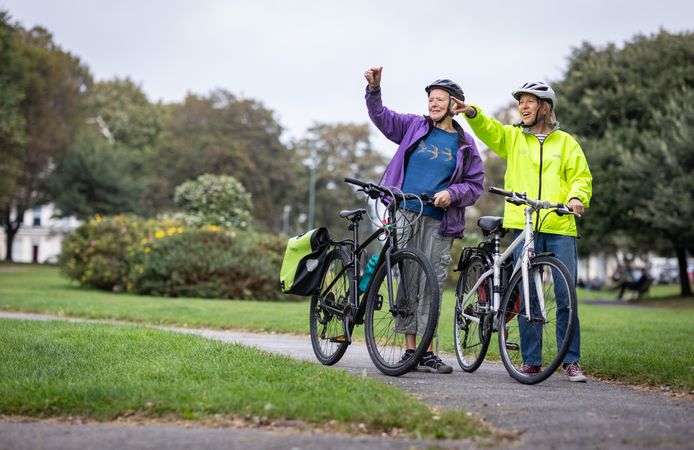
(209, 263)
(96, 253)
(214, 200)
(164, 257)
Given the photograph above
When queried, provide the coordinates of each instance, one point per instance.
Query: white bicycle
(532, 304)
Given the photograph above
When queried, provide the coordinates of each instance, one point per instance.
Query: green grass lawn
(106, 371)
(636, 345)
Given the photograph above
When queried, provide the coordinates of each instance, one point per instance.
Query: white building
(40, 236)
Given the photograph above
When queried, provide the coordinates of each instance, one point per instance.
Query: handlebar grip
(354, 181)
(563, 210)
(499, 191)
(427, 199)
(515, 202)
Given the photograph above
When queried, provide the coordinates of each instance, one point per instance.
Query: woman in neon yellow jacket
(548, 164)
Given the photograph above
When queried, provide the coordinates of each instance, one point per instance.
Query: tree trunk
(686, 288)
(11, 227)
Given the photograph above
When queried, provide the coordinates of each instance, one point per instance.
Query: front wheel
(404, 299)
(533, 348)
(330, 330)
(472, 320)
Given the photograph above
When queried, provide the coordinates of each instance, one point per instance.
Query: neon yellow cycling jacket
(554, 171)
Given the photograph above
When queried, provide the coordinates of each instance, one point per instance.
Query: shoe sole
(430, 370)
(582, 379)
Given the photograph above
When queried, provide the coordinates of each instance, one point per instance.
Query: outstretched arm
(393, 125)
(373, 77)
(489, 130)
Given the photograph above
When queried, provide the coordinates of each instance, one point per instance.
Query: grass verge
(646, 344)
(104, 372)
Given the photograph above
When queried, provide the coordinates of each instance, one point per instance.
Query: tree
(215, 200)
(337, 151)
(52, 84)
(118, 136)
(633, 120)
(665, 205)
(124, 115)
(11, 121)
(92, 179)
(220, 134)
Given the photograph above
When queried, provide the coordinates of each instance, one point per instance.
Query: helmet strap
(448, 112)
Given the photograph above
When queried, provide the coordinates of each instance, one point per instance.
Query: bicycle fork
(529, 250)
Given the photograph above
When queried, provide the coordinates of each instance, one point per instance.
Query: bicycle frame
(523, 264)
(355, 250)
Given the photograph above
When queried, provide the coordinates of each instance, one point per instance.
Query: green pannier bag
(303, 262)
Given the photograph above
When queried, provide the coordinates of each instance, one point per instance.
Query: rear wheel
(406, 298)
(532, 349)
(330, 330)
(472, 321)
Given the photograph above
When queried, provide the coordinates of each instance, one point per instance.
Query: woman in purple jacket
(434, 156)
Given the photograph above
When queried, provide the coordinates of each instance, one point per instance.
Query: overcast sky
(305, 59)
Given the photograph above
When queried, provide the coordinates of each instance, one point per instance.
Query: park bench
(638, 288)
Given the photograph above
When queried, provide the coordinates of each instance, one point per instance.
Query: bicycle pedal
(341, 339)
(512, 346)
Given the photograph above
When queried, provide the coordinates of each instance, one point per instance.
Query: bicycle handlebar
(377, 191)
(354, 181)
(521, 198)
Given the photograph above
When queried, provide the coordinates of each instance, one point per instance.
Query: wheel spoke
(472, 329)
(413, 288)
(327, 327)
(533, 349)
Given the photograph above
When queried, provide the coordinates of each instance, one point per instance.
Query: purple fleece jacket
(407, 130)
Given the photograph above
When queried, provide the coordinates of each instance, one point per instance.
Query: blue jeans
(564, 248)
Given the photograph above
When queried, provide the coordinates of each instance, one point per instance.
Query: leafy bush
(163, 257)
(208, 263)
(214, 200)
(96, 253)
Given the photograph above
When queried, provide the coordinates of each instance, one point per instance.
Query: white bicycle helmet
(538, 89)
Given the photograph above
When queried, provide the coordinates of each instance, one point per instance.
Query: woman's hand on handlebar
(442, 199)
(576, 206)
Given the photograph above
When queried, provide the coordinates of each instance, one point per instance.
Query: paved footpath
(555, 414)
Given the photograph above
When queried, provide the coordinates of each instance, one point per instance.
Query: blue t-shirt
(430, 168)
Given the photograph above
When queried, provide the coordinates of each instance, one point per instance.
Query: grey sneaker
(433, 364)
(574, 373)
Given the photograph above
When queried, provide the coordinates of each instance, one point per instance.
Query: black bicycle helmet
(538, 89)
(447, 85)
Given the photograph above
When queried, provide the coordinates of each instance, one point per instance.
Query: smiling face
(528, 106)
(438, 103)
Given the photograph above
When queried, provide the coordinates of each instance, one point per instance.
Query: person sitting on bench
(641, 285)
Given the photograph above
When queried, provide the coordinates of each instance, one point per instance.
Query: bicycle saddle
(348, 213)
(490, 224)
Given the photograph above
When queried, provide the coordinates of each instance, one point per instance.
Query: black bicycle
(402, 289)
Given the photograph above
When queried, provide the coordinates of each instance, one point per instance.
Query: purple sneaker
(574, 373)
(526, 369)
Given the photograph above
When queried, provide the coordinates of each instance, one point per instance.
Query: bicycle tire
(472, 338)
(386, 346)
(327, 329)
(549, 331)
